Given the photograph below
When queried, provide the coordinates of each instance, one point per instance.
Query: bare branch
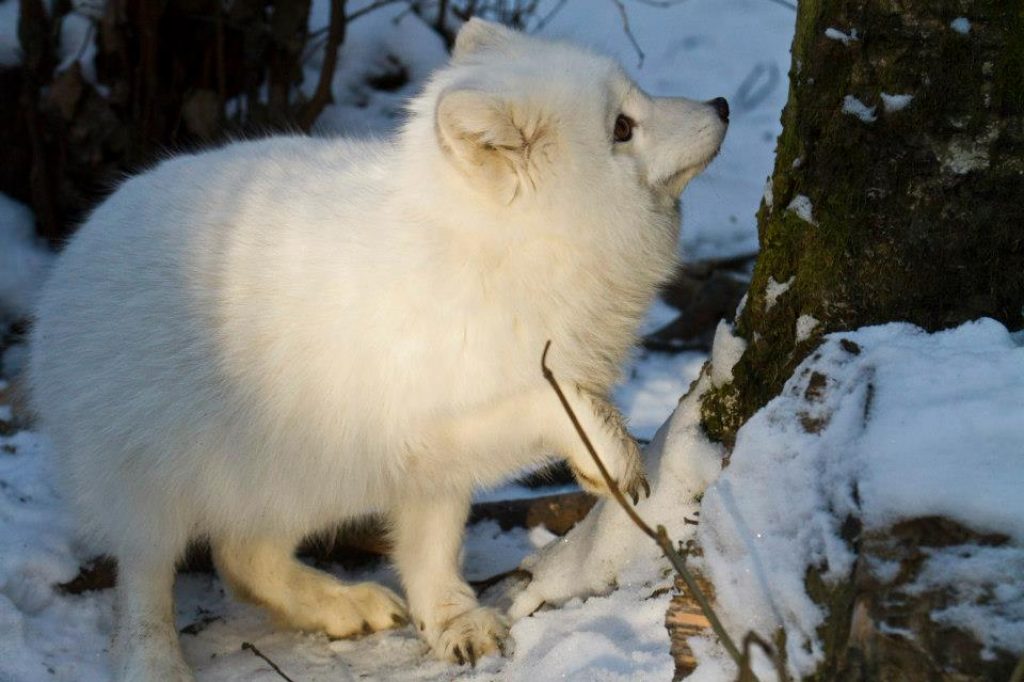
(322, 97)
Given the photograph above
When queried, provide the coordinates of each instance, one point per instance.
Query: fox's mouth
(674, 183)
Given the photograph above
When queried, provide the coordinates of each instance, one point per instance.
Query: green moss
(719, 413)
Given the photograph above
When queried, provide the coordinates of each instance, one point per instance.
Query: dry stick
(252, 647)
(660, 536)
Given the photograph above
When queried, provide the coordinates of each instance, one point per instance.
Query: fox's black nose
(721, 105)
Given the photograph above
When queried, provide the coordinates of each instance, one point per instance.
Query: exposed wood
(685, 619)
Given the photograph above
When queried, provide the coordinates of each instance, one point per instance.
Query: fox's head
(523, 119)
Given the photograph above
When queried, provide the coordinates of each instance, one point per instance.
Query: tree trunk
(911, 213)
(897, 194)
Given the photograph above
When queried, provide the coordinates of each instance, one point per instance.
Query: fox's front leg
(515, 431)
(615, 447)
(427, 533)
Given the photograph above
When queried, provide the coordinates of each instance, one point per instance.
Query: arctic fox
(252, 344)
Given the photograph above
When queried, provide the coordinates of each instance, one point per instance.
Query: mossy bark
(911, 213)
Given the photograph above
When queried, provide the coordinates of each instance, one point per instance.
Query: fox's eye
(623, 128)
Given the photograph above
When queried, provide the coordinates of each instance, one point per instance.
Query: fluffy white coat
(252, 344)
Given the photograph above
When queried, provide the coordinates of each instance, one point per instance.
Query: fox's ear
(495, 142)
(478, 34)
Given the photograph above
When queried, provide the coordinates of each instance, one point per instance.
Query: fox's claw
(636, 485)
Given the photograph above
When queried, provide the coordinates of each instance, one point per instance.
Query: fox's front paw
(618, 452)
(476, 633)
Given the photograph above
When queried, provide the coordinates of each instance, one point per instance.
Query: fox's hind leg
(265, 571)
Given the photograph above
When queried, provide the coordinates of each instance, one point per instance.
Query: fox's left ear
(478, 34)
(497, 143)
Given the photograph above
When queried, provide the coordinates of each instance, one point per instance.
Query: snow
(961, 25)
(805, 325)
(740, 307)
(854, 107)
(656, 382)
(844, 38)
(775, 289)
(10, 48)
(965, 155)
(894, 103)
(626, 628)
(804, 209)
(880, 433)
(725, 352)
(77, 31)
(989, 593)
(23, 261)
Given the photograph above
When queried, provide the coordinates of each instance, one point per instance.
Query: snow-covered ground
(700, 49)
(895, 416)
(882, 424)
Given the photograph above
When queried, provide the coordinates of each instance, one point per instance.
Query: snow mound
(882, 424)
(606, 549)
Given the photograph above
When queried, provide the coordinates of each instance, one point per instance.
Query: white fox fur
(255, 343)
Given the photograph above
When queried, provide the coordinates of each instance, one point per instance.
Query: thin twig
(754, 638)
(660, 536)
(370, 8)
(629, 32)
(544, 20)
(252, 647)
(616, 493)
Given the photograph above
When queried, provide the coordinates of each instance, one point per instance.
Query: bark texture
(897, 195)
(911, 213)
